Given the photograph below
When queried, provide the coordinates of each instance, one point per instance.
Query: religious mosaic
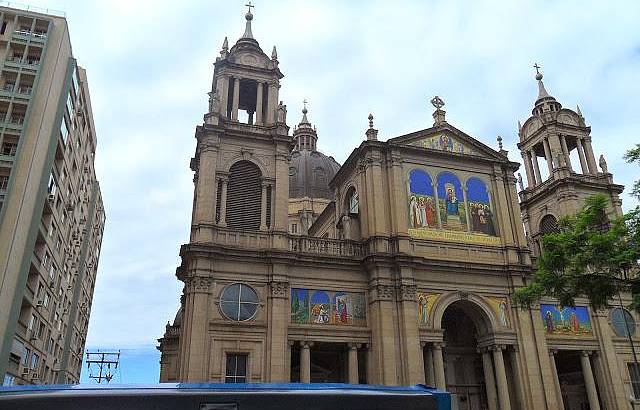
(566, 321)
(499, 306)
(426, 301)
(328, 307)
(444, 142)
(448, 205)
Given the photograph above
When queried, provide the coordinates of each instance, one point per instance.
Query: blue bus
(214, 396)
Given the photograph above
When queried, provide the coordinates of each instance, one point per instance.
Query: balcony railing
(29, 33)
(325, 246)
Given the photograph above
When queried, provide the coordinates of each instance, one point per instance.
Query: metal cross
(249, 5)
(305, 103)
(437, 102)
(537, 67)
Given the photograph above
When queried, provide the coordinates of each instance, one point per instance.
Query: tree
(590, 255)
(633, 155)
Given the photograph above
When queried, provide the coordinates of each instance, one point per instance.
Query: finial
(578, 110)
(437, 102)
(249, 17)
(519, 126)
(274, 54)
(225, 44)
(304, 112)
(538, 73)
(499, 139)
(372, 133)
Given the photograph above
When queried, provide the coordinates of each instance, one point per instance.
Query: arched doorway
(463, 325)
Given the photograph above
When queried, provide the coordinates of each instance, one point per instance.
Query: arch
(548, 224)
(421, 200)
(261, 163)
(451, 201)
(475, 306)
(479, 203)
(244, 196)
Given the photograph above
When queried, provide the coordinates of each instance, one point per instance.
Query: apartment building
(51, 212)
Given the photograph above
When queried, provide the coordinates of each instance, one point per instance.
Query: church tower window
(353, 202)
(244, 196)
(239, 302)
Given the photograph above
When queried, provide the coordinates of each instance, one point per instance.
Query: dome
(310, 173)
(178, 319)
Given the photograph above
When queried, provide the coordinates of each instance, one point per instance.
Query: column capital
(438, 345)
(497, 347)
(553, 352)
(354, 346)
(305, 344)
(423, 344)
(197, 284)
(279, 289)
(586, 352)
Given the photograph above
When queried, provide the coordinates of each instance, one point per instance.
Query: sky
(149, 67)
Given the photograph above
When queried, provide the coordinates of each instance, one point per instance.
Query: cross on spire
(304, 102)
(537, 67)
(250, 6)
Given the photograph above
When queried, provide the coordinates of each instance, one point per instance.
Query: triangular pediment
(448, 139)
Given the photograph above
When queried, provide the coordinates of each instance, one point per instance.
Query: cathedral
(396, 267)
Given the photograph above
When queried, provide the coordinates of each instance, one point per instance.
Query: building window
(9, 379)
(622, 322)
(236, 368)
(4, 182)
(294, 228)
(353, 202)
(634, 374)
(9, 148)
(35, 359)
(239, 302)
(244, 196)
(64, 130)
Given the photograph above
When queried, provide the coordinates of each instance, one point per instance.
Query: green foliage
(633, 155)
(588, 256)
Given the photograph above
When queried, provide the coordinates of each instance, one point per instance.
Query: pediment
(250, 58)
(448, 139)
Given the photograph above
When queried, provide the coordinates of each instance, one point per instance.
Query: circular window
(239, 302)
(621, 320)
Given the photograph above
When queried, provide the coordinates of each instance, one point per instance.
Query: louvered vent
(244, 196)
(548, 225)
(269, 206)
(218, 200)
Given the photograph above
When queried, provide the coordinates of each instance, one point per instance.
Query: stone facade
(405, 277)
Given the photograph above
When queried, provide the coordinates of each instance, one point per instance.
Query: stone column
(279, 351)
(205, 205)
(438, 366)
(384, 363)
(501, 378)
(583, 162)
(263, 207)
(556, 380)
(517, 379)
(528, 169)
(565, 150)
(223, 202)
(236, 99)
(259, 105)
(272, 103)
(196, 333)
(428, 364)
(589, 382)
(547, 156)
(536, 166)
(591, 159)
(223, 89)
(489, 380)
(305, 362)
(353, 363)
(466, 208)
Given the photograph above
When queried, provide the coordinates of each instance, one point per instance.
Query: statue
(282, 113)
(603, 164)
(214, 102)
(520, 184)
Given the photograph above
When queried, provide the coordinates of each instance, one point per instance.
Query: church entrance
(326, 362)
(462, 363)
(572, 379)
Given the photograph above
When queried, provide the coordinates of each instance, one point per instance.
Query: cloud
(149, 65)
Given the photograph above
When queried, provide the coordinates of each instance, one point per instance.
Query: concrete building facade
(51, 212)
(407, 274)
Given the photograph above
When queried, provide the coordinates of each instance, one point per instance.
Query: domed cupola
(310, 170)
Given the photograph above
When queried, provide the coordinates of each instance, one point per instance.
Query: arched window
(353, 204)
(244, 196)
(548, 224)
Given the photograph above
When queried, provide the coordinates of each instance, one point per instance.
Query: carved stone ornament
(463, 295)
(408, 292)
(279, 289)
(382, 292)
(198, 284)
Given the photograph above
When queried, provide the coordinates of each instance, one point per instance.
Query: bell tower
(243, 146)
(568, 174)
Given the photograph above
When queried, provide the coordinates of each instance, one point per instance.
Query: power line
(101, 365)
